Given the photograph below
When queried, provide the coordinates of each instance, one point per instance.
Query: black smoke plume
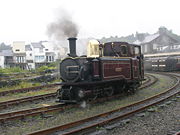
(62, 28)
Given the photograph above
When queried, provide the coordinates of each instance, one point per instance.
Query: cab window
(93, 48)
(124, 50)
(137, 51)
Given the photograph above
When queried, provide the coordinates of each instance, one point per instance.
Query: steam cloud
(63, 27)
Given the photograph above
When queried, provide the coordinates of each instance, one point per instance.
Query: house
(162, 41)
(6, 59)
(49, 51)
(29, 57)
(6, 56)
(19, 53)
(39, 54)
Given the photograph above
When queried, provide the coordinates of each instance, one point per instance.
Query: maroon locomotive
(109, 68)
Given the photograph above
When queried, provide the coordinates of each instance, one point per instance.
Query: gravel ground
(164, 121)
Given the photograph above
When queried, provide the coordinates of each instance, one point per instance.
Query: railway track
(86, 124)
(3, 93)
(33, 98)
(150, 81)
(59, 107)
(23, 100)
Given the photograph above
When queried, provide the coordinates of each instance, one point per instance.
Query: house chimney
(72, 46)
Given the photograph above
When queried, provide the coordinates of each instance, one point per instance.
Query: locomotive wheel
(128, 90)
(132, 90)
(109, 91)
(94, 96)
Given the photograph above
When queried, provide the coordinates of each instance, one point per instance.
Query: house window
(20, 59)
(30, 54)
(39, 58)
(47, 58)
(17, 50)
(50, 58)
(46, 49)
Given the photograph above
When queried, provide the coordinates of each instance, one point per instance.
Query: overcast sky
(27, 20)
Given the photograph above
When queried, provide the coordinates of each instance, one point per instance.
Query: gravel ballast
(164, 120)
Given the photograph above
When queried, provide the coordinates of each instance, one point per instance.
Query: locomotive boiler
(109, 68)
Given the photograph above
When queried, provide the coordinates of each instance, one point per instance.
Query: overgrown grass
(20, 86)
(26, 84)
(27, 94)
(12, 70)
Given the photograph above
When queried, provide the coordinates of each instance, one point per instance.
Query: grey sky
(28, 19)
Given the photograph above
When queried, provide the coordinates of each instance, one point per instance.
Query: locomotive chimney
(72, 46)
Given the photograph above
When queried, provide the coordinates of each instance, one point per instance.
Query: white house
(19, 53)
(29, 57)
(49, 51)
(39, 53)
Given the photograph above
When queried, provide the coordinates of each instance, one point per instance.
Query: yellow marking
(45, 105)
(118, 69)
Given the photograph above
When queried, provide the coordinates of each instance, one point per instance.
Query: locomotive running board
(66, 101)
(87, 83)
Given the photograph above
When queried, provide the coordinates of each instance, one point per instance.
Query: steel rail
(27, 99)
(3, 93)
(111, 116)
(33, 112)
(149, 82)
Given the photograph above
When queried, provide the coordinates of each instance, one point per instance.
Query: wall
(18, 47)
(2, 61)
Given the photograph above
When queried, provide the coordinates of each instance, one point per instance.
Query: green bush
(50, 66)
(42, 68)
(12, 70)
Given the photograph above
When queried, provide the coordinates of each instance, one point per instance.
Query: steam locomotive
(109, 68)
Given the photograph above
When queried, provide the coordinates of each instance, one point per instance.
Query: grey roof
(174, 36)
(147, 39)
(3, 46)
(6, 53)
(150, 38)
(28, 48)
(37, 45)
